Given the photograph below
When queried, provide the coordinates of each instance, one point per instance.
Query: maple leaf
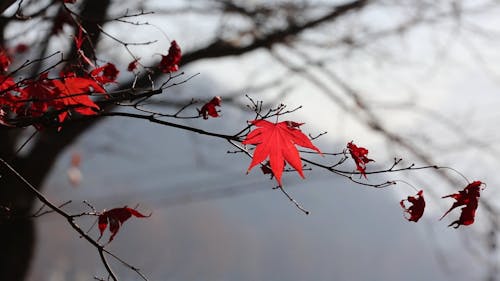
(169, 63)
(277, 141)
(105, 74)
(133, 65)
(115, 218)
(73, 94)
(358, 154)
(11, 98)
(468, 197)
(8, 100)
(416, 210)
(4, 60)
(208, 109)
(79, 39)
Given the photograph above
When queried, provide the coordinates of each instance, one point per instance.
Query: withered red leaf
(105, 74)
(416, 210)
(170, 62)
(468, 197)
(132, 65)
(359, 155)
(209, 109)
(115, 218)
(5, 60)
(277, 142)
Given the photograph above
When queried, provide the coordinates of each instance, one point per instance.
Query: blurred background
(417, 80)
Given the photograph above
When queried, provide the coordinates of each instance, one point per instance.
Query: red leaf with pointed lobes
(277, 142)
(468, 197)
(358, 154)
(115, 218)
(8, 99)
(169, 63)
(416, 210)
(208, 109)
(73, 94)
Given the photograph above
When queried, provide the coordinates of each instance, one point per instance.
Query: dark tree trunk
(17, 231)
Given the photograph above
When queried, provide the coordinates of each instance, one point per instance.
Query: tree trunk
(17, 233)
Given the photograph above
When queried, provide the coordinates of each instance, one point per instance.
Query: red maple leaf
(73, 94)
(105, 74)
(416, 210)
(468, 197)
(115, 218)
(208, 109)
(358, 154)
(133, 65)
(4, 60)
(169, 63)
(79, 39)
(277, 141)
(11, 99)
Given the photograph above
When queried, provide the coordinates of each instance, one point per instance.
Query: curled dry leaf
(115, 218)
(359, 155)
(468, 197)
(133, 65)
(209, 109)
(416, 210)
(170, 62)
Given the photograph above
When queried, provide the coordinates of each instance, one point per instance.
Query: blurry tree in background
(310, 42)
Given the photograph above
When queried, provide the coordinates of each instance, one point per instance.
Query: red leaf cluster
(416, 210)
(170, 62)
(468, 197)
(359, 155)
(115, 218)
(208, 109)
(277, 142)
(66, 94)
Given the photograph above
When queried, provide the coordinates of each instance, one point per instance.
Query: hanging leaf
(468, 197)
(115, 218)
(416, 210)
(277, 142)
